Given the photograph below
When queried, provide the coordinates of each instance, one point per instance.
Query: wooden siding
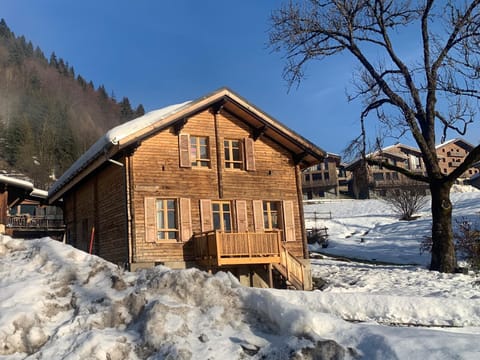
(156, 172)
(3, 208)
(99, 201)
(111, 228)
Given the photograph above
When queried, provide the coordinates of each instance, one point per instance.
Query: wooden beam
(257, 132)
(217, 107)
(297, 158)
(178, 125)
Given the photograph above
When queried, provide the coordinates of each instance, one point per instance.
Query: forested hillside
(48, 114)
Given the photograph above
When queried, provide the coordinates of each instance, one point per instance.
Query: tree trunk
(443, 249)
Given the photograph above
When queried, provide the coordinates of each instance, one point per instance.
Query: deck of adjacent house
(215, 249)
(34, 226)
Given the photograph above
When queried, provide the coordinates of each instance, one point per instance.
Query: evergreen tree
(5, 30)
(102, 92)
(82, 82)
(126, 112)
(53, 60)
(139, 111)
(38, 54)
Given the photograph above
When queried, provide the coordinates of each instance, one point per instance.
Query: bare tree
(437, 91)
(406, 199)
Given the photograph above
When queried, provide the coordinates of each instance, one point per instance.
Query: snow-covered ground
(57, 302)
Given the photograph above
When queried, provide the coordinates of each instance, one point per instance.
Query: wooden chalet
(375, 180)
(213, 183)
(24, 211)
(451, 154)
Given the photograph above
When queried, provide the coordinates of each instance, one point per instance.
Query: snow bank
(59, 302)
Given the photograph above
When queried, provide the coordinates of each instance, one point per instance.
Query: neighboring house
(24, 211)
(323, 180)
(344, 178)
(451, 154)
(213, 183)
(372, 180)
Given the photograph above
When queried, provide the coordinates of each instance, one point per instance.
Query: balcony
(218, 248)
(455, 154)
(31, 226)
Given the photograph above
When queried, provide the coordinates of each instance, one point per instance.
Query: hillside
(49, 115)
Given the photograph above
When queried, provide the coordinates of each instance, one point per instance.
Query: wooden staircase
(295, 271)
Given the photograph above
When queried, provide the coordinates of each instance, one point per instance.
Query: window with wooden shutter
(288, 220)
(233, 154)
(272, 215)
(185, 219)
(199, 151)
(249, 154)
(206, 215)
(222, 216)
(167, 219)
(241, 215)
(258, 215)
(150, 220)
(184, 150)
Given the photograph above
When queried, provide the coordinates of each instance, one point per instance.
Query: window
(378, 176)
(199, 151)
(317, 177)
(271, 215)
(233, 154)
(394, 176)
(326, 176)
(167, 228)
(307, 177)
(222, 216)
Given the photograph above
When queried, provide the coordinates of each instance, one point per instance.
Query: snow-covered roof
(113, 137)
(26, 185)
(134, 130)
(23, 184)
(456, 140)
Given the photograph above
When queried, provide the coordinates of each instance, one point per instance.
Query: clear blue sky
(163, 52)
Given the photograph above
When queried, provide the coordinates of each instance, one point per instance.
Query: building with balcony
(372, 180)
(24, 211)
(214, 183)
(328, 179)
(451, 154)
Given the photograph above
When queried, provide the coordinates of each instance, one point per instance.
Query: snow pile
(58, 302)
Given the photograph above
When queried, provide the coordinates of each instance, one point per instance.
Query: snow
(27, 185)
(59, 302)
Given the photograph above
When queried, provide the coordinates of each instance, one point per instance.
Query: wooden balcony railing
(218, 248)
(292, 269)
(22, 222)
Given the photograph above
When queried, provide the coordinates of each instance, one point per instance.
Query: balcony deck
(34, 226)
(217, 248)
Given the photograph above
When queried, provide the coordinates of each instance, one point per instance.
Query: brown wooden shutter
(150, 219)
(241, 210)
(249, 154)
(258, 215)
(185, 219)
(288, 220)
(184, 149)
(206, 215)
